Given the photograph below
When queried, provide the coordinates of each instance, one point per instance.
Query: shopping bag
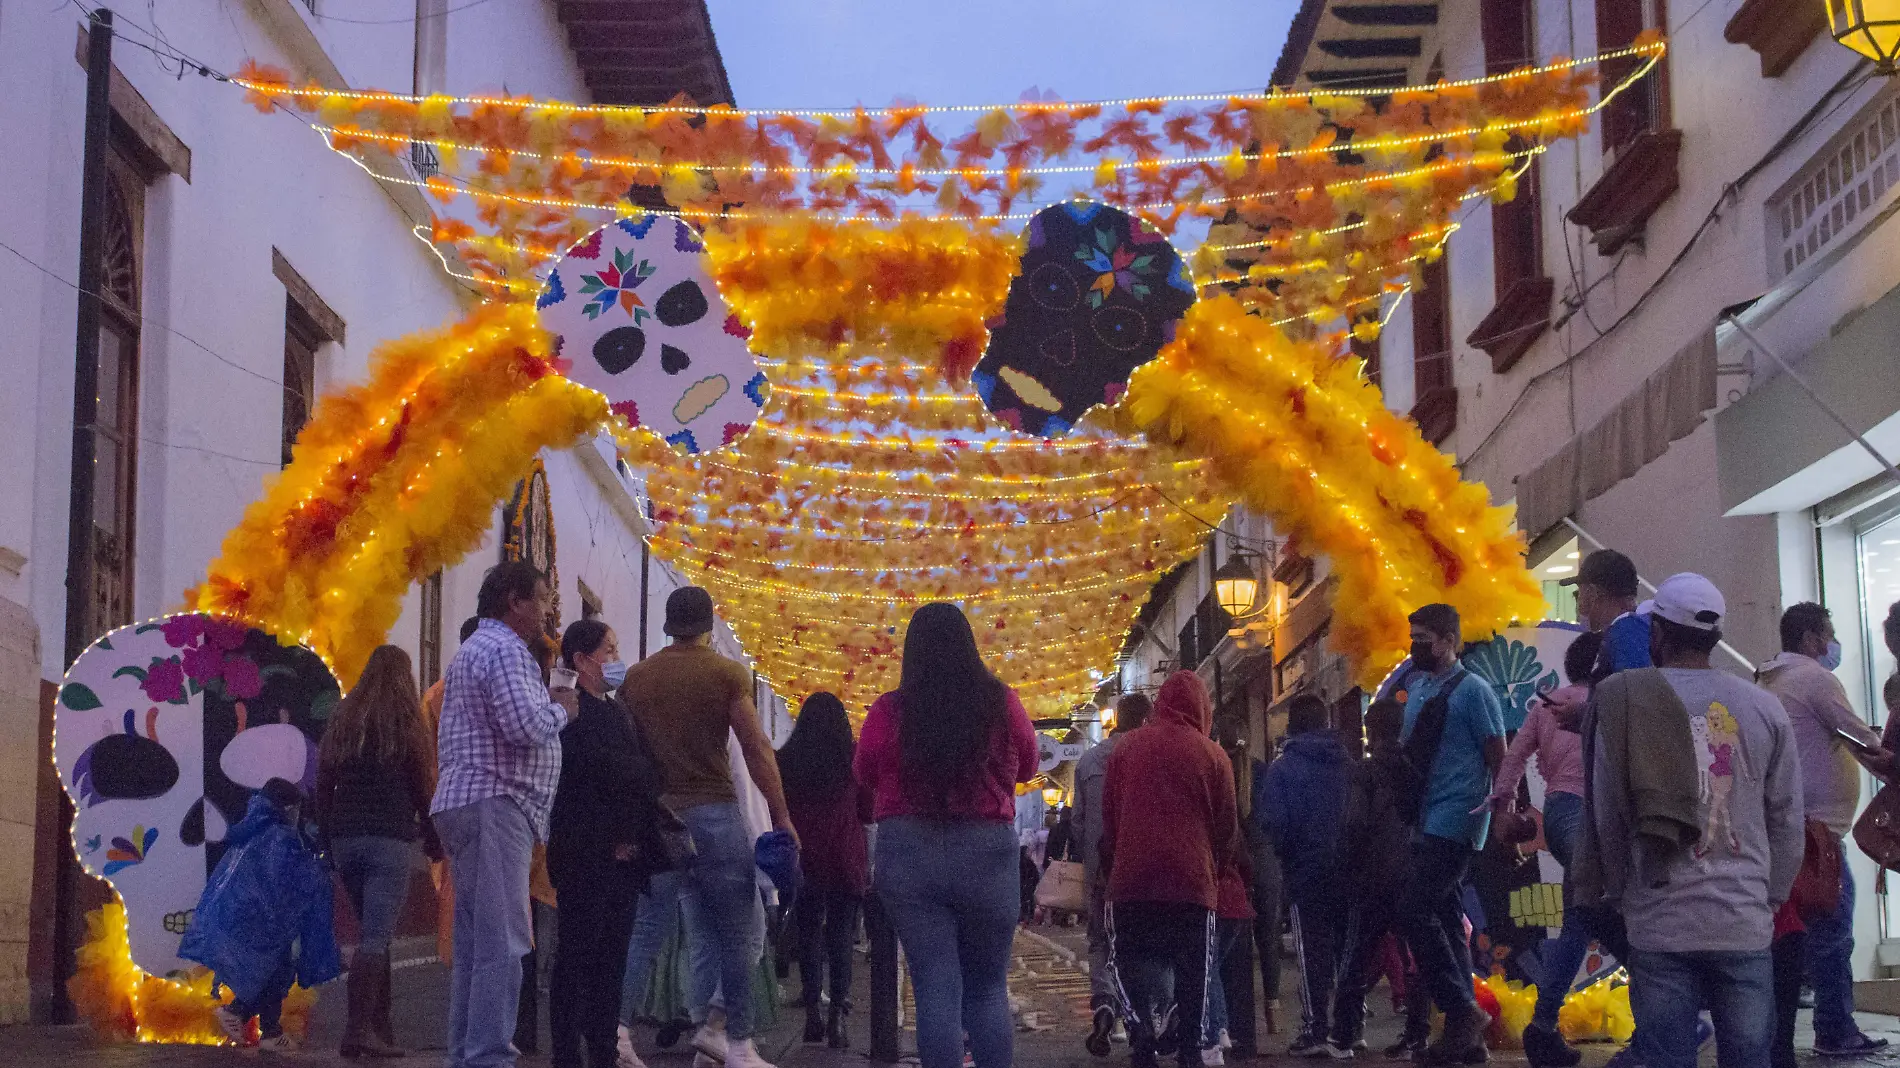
(1063, 886)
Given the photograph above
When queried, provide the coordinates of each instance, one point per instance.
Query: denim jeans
(719, 897)
(1668, 991)
(375, 872)
(952, 891)
(490, 844)
(1830, 957)
(1563, 955)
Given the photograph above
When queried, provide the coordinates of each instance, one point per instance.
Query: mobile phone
(1853, 741)
(562, 678)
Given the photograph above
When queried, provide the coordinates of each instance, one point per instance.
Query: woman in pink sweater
(1559, 756)
(941, 756)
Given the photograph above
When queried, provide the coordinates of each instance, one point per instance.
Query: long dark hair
(815, 761)
(380, 719)
(950, 705)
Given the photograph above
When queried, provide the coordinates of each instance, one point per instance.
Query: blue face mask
(1831, 659)
(613, 673)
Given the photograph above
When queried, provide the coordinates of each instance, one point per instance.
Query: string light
(1275, 96)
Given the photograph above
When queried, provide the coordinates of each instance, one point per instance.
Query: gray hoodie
(1721, 893)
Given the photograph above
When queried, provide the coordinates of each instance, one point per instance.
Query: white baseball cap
(1687, 599)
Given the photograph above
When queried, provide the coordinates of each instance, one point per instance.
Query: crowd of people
(1700, 821)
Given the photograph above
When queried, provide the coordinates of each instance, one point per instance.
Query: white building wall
(213, 336)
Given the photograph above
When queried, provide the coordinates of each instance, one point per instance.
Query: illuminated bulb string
(1653, 49)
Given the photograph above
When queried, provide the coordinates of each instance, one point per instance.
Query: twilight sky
(837, 53)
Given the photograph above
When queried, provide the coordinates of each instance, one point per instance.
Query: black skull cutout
(1097, 296)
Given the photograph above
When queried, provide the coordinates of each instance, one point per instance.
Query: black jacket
(1375, 840)
(608, 797)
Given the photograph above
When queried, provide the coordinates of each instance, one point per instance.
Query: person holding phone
(1833, 744)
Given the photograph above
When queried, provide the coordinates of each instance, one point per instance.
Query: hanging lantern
(1236, 586)
(1870, 27)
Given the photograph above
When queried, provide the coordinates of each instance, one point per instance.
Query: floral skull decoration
(635, 315)
(1097, 295)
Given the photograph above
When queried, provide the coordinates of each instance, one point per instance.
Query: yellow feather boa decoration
(394, 479)
(1300, 436)
(123, 1004)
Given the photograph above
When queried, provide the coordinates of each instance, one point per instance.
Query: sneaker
(279, 1043)
(1100, 1030)
(1310, 1045)
(710, 1040)
(1544, 1047)
(1407, 1048)
(624, 1056)
(1224, 1041)
(744, 1054)
(1858, 1046)
(233, 1025)
(1212, 1057)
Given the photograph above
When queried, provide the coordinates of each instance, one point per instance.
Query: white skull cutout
(635, 315)
(161, 732)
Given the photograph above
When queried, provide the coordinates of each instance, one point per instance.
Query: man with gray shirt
(1699, 832)
(1090, 773)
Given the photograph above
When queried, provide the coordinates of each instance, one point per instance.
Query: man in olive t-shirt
(688, 699)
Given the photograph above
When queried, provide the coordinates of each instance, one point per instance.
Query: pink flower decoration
(627, 410)
(165, 680)
(203, 664)
(181, 631)
(241, 679)
(226, 636)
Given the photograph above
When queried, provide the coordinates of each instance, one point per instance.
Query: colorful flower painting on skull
(1098, 294)
(161, 732)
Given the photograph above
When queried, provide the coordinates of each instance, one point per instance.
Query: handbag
(1817, 886)
(1064, 886)
(1877, 832)
(676, 842)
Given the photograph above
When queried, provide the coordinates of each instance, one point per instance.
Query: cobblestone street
(1048, 987)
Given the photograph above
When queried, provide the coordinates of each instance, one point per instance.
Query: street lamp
(1870, 27)
(1236, 587)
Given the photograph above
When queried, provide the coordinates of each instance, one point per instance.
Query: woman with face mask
(600, 853)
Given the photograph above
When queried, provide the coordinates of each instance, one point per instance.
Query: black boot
(1544, 1047)
(835, 1035)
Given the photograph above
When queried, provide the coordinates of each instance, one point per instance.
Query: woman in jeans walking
(942, 755)
(375, 778)
(829, 811)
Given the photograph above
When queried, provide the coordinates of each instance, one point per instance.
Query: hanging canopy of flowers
(867, 252)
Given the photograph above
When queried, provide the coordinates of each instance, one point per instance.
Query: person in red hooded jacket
(1169, 826)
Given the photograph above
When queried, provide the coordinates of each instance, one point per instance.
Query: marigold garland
(1285, 165)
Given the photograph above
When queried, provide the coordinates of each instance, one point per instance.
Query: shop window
(1879, 553)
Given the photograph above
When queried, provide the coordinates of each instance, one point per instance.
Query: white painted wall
(1668, 517)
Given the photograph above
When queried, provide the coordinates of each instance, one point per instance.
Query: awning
(1780, 452)
(1668, 407)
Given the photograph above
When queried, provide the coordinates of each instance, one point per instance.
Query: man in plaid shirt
(499, 753)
